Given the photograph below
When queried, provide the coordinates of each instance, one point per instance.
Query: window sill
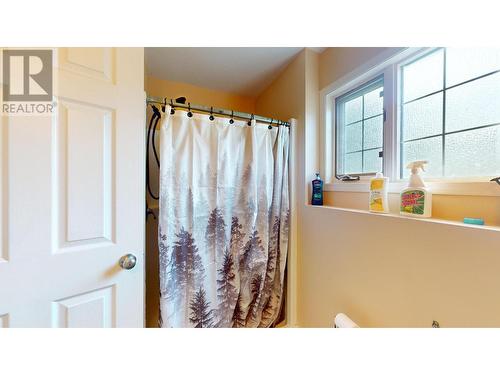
(401, 217)
(475, 188)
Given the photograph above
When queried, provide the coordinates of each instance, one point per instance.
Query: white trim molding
(292, 266)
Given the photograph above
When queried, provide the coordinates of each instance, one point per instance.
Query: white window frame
(387, 63)
(357, 90)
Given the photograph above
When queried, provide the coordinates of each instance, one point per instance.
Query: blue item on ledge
(470, 220)
(317, 191)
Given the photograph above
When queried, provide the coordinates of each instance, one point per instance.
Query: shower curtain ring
(172, 110)
(163, 105)
(211, 114)
(189, 109)
(270, 125)
(250, 122)
(231, 121)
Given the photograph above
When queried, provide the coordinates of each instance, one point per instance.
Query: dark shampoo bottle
(317, 191)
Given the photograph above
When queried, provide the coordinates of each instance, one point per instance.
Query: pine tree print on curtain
(186, 271)
(215, 233)
(201, 315)
(227, 293)
(238, 318)
(223, 224)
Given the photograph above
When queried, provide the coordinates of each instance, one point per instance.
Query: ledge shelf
(401, 217)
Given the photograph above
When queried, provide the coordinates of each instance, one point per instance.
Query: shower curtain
(224, 221)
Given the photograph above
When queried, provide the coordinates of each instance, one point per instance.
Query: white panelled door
(72, 197)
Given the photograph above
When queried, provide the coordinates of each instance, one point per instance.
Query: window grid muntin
(443, 146)
(339, 105)
(443, 134)
(448, 88)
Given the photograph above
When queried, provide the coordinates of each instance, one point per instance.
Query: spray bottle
(416, 199)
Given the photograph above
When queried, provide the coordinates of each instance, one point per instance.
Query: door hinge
(385, 115)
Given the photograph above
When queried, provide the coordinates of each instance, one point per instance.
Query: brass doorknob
(128, 261)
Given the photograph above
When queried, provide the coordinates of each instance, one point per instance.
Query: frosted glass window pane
(473, 153)
(423, 117)
(473, 104)
(353, 110)
(423, 76)
(429, 149)
(353, 163)
(373, 132)
(463, 64)
(372, 162)
(359, 125)
(374, 103)
(353, 138)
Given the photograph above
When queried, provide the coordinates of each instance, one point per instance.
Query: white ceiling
(240, 70)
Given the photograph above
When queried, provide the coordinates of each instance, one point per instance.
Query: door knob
(128, 261)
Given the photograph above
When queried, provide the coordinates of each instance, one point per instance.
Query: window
(360, 117)
(450, 112)
(436, 104)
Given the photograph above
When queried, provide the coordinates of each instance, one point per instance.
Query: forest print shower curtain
(224, 219)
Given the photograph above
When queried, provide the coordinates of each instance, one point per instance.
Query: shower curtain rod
(224, 112)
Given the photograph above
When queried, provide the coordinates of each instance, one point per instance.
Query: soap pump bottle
(317, 191)
(416, 199)
(378, 194)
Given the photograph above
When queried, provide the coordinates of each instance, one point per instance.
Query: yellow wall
(194, 94)
(383, 271)
(386, 271)
(199, 95)
(334, 63)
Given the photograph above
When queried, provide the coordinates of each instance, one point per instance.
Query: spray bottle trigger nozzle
(415, 165)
